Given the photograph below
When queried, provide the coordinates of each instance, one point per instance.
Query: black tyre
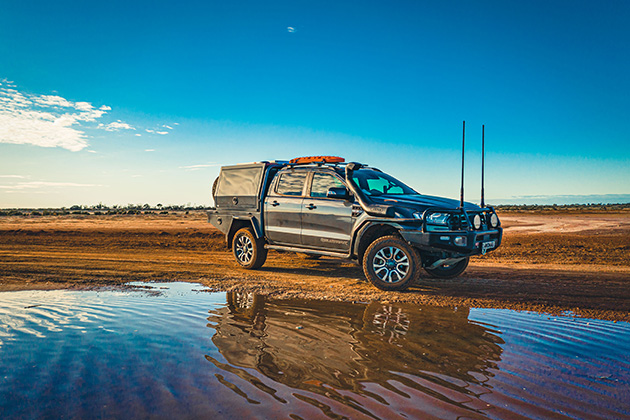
(448, 271)
(214, 189)
(249, 252)
(389, 263)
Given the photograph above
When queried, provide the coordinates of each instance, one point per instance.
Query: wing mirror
(338, 193)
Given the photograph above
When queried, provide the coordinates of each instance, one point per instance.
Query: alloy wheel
(391, 264)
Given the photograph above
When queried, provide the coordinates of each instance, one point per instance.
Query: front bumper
(466, 243)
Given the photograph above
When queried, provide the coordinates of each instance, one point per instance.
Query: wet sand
(554, 262)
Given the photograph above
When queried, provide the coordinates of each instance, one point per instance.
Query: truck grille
(459, 222)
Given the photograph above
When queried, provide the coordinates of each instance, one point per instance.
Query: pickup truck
(324, 206)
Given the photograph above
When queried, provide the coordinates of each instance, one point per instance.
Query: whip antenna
(483, 144)
(461, 193)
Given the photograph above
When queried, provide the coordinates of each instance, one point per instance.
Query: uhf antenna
(461, 193)
(483, 144)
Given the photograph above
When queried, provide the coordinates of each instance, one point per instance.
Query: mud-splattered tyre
(448, 271)
(249, 252)
(389, 263)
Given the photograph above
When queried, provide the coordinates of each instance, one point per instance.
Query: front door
(326, 222)
(283, 209)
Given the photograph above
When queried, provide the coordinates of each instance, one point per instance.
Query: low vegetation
(135, 209)
(591, 207)
(101, 209)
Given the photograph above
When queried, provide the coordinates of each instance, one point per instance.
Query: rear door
(326, 222)
(283, 208)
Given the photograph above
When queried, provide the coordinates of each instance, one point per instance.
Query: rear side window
(322, 183)
(291, 183)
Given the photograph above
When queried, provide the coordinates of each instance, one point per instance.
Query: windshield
(378, 183)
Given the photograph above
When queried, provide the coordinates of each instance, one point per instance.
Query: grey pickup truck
(323, 206)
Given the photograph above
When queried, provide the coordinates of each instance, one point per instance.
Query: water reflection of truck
(322, 346)
(324, 206)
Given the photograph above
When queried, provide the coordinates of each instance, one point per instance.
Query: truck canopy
(239, 186)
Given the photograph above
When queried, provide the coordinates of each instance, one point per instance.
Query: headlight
(477, 222)
(438, 218)
(494, 220)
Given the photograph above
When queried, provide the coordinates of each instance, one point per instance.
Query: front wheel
(448, 271)
(249, 252)
(390, 263)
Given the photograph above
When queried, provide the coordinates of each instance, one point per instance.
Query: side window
(323, 182)
(291, 183)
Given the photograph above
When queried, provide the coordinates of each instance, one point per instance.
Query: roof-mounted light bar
(316, 159)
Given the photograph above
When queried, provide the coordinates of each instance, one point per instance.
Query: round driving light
(477, 221)
(494, 220)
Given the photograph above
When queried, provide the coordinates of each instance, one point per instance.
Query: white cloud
(290, 29)
(38, 185)
(116, 126)
(51, 100)
(138, 135)
(12, 176)
(44, 120)
(149, 150)
(197, 167)
(148, 130)
(166, 126)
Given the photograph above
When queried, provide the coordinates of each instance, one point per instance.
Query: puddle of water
(175, 352)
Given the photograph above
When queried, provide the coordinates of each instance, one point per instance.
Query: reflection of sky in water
(176, 352)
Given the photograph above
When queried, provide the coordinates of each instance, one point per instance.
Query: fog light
(494, 220)
(460, 240)
(477, 222)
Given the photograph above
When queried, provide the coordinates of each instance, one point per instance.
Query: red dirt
(548, 262)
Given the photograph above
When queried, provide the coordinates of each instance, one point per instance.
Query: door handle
(311, 206)
(274, 203)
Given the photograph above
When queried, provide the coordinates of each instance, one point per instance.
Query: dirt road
(548, 262)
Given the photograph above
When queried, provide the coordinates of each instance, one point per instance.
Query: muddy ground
(554, 262)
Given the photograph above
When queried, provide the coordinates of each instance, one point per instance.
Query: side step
(308, 251)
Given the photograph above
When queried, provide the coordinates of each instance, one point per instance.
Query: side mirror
(338, 193)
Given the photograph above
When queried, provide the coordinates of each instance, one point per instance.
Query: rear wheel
(389, 263)
(448, 271)
(249, 252)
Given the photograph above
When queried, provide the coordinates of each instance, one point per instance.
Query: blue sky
(141, 102)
